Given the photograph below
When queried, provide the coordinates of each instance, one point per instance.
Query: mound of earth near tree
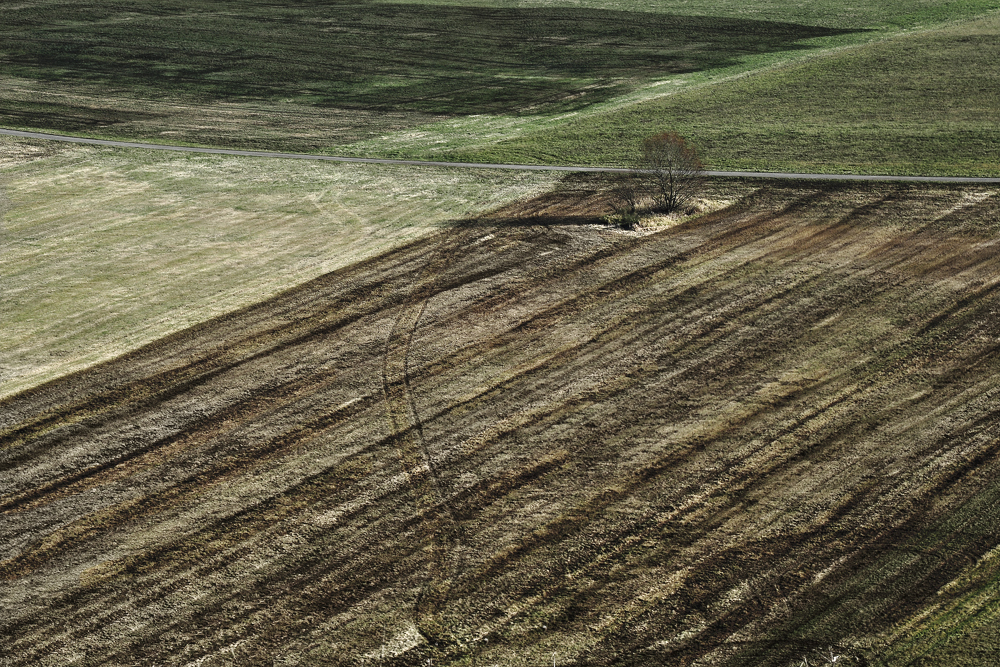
(761, 433)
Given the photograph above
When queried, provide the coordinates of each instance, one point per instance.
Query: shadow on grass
(577, 199)
(71, 117)
(419, 58)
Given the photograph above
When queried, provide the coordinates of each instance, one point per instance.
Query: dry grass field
(765, 433)
(105, 250)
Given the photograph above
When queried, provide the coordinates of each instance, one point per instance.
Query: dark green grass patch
(925, 103)
(491, 79)
(350, 54)
(883, 14)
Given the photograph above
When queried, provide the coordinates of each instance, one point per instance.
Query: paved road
(480, 165)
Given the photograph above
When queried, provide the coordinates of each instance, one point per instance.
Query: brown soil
(754, 435)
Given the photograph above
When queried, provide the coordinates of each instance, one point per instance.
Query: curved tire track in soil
(407, 429)
(760, 433)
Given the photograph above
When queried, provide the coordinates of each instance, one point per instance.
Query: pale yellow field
(105, 250)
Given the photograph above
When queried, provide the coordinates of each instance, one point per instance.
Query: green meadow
(426, 58)
(921, 103)
(887, 87)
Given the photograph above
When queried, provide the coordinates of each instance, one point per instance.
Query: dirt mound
(755, 435)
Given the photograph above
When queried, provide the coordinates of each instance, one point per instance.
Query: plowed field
(767, 431)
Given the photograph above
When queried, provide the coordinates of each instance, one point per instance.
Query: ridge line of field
(480, 165)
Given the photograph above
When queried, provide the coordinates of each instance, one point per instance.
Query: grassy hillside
(877, 14)
(740, 441)
(548, 81)
(106, 250)
(923, 103)
(359, 55)
(154, 67)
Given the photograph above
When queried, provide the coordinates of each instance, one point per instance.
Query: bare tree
(665, 175)
(672, 170)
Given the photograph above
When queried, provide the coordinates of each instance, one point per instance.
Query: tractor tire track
(440, 528)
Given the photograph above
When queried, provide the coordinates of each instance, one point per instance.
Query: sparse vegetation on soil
(755, 435)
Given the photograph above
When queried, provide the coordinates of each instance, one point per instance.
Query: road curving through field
(478, 165)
